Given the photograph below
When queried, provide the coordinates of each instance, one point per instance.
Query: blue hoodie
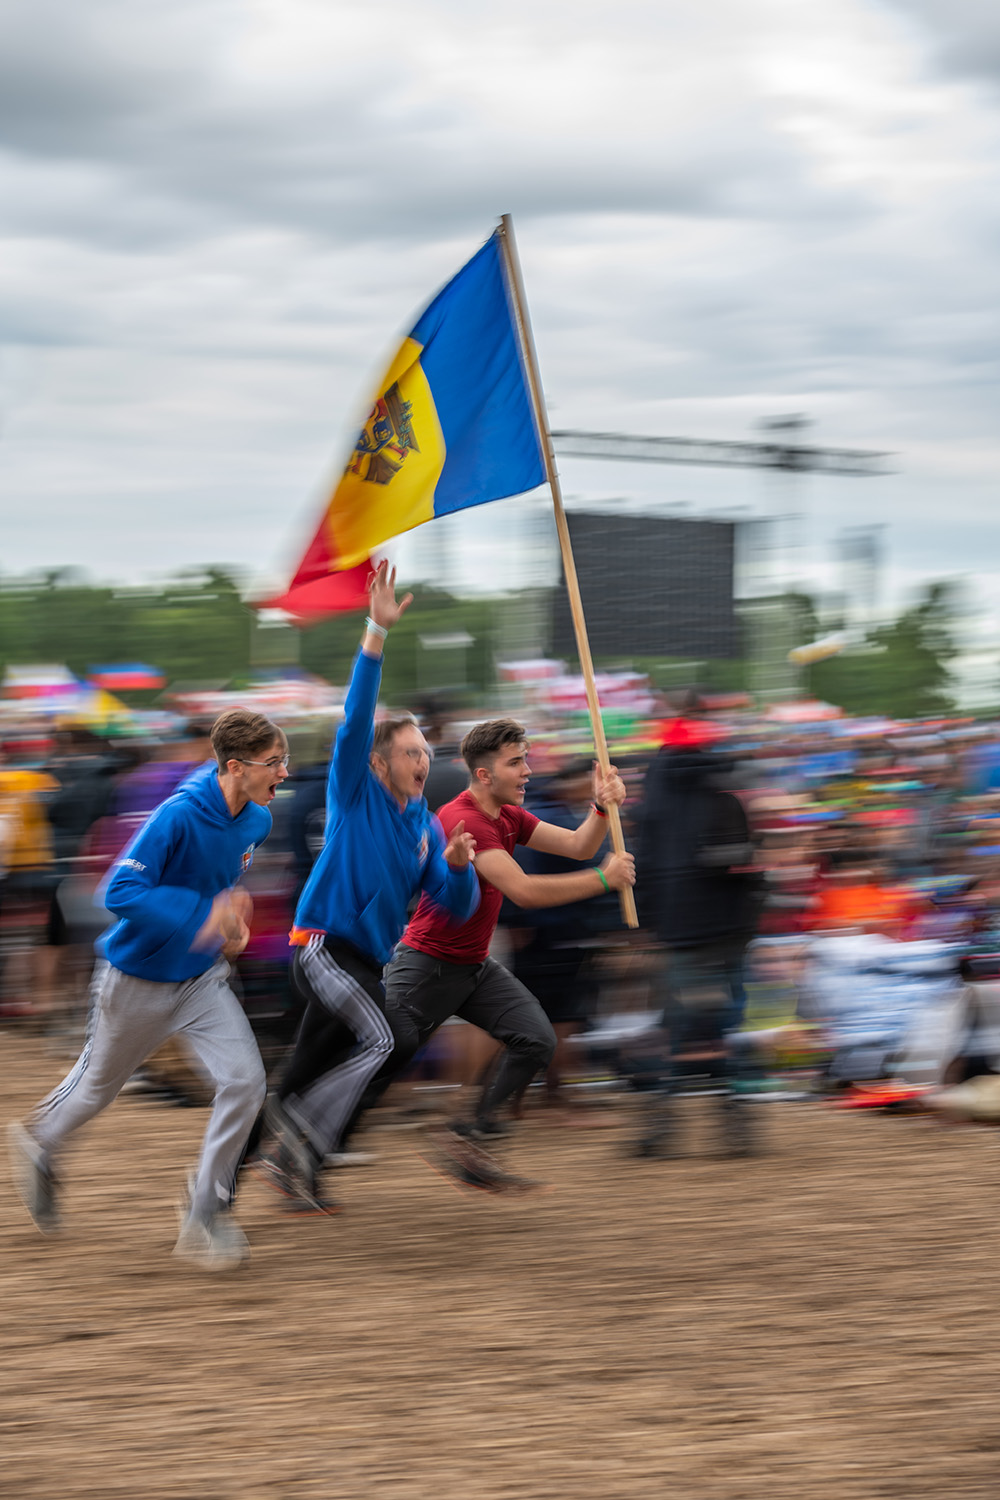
(375, 856)
(163, 884)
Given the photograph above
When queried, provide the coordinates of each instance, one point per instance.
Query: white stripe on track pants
(324, 1105)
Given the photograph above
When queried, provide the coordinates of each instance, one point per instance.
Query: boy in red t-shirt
(442, 969)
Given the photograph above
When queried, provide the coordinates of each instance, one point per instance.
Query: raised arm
(385, 611)
(349, 764)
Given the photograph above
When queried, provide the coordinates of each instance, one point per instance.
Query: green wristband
(602, 877)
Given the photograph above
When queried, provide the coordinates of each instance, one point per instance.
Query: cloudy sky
(219, 216)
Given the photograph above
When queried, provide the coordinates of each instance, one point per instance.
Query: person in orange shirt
(855, 895)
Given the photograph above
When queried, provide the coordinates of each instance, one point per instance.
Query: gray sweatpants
(129, 1018)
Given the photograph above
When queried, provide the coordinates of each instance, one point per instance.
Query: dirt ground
(823, 1321)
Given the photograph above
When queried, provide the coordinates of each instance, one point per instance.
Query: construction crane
(774, 453)
(768, 626)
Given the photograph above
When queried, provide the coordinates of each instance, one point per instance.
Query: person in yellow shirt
(25, 887)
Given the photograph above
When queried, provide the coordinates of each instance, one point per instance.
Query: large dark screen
(651, 586)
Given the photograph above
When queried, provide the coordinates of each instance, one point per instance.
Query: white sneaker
(35, 1184)
(214, 1244)
(349, 1159)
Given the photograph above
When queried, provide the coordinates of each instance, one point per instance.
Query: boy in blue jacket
(162, 969)
(381, 848)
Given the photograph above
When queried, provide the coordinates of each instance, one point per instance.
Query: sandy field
(819, 1322)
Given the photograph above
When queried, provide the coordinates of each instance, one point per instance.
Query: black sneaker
(739, 1133)
(309, 1202)
(298, 1189)
(467, 1164)
(286, 1136)
(658, 1141)
(35, 1183)
(481, 1130)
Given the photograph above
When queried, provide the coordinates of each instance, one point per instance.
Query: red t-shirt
(430, 930)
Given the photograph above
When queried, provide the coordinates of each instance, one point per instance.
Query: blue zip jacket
(375, 856)
(162, 885)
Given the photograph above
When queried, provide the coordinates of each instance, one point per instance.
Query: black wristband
(601, 812)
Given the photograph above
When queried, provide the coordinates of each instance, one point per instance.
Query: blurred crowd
(818, 909)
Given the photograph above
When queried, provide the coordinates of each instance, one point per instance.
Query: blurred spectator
(84, 768)
(551, 952)
(448, 775)
(27, 884)
(856, 894)
(304, 821)
(792, 855)
(699, 893)
(143, 788)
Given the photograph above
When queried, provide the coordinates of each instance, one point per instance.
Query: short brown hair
(483, 744)
(386, 731)
(240, 734)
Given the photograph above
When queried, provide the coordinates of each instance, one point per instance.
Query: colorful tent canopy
(122, 676)
(39, 680)
(95, 707)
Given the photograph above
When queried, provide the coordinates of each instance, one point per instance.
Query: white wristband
(380, 630)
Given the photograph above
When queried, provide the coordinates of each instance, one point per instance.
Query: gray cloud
(217, 220)
(155, 100)
(964, 34)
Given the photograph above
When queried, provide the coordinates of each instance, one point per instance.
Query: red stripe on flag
(333, 593)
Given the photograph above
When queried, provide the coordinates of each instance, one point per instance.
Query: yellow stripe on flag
(388, 486)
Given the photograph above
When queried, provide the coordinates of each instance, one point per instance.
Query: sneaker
(349, 1158)
(653, 1148)
(186, 1199)
(298, 1189)
(287, 1137)
(35, 1182)
(311, 1205)
(142, 1083)
(213, 1244)
(481, 1130)
(658, 1141)
(468, 1165)
(739, 1135)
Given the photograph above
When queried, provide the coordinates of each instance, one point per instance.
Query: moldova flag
(452, 426)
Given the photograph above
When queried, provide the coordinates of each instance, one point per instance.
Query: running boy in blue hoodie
(163, 968)
(381, 848)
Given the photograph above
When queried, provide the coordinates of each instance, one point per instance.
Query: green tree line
(900, 669)
(197, 629)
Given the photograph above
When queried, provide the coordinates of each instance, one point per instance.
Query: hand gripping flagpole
(520, 307)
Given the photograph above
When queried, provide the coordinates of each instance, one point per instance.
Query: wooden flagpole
(520, 305)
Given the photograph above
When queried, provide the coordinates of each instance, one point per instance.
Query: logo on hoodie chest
(422, 849)
(247, 858)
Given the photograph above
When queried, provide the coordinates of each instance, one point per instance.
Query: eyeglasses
(272, 764)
